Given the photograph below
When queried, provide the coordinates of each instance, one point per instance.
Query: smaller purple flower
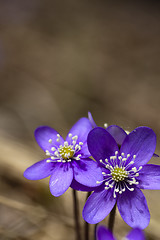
(125, 171)
(117, 132)
(102, 233)
(68, 161)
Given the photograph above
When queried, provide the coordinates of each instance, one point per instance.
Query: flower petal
(149, 177)
(84, 151)
(101, 144)
(61, 179)
(81, 128)
(39, 170)
(79, 187)
(137, 234)
(87, 172)
(98, 206)
(140, 142)
(103, 233)
(43, 134)
(133, 208)
(117, 133)
(91, 120)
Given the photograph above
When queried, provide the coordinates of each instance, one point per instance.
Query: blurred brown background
(59, 60)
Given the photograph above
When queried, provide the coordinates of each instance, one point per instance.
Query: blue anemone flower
(67, 161)
(102, 233)
(124, 172)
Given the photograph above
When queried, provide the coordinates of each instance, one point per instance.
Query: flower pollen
(65, 152)
(120, 173)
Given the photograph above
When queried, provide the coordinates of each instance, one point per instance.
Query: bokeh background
(59, 60)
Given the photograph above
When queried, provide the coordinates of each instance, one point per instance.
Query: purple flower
(103, 233)
(67, 161)
(117, 132)
(124, 171)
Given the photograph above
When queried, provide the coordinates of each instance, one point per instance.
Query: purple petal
(101, 144)
(91, 120)
(87, 172)
(61, 179)
(98, 206)
(43, 134)
(79, 187)
(103, 233)
(137, 234)
(140, 142)
(149, 177)
(133, 208)
(39, 170)
(84, 151)
(117, 133)
(81, 128)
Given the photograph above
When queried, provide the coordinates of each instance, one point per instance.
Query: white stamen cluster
(66, 152)
(121, 173)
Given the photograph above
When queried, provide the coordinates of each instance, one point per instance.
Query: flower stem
(112, 218)
(76, 215)
(95, 230)
(86, 226)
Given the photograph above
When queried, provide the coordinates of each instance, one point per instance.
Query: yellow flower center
(119, 174)
(66, 152)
